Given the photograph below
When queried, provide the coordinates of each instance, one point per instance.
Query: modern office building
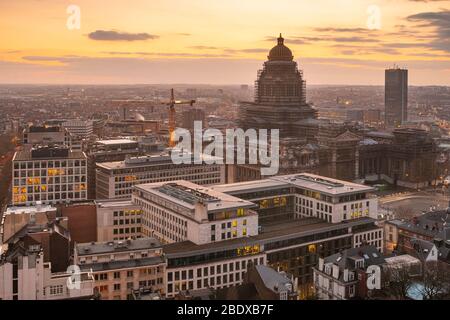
(291, 246)
(118, 220)
(45, 135)
(80, 128)
(305, 195)
(108, 150)
(48, 175)
(184, 211)
(122, 267)
(396, 97)
(206, 246)
(114, 180)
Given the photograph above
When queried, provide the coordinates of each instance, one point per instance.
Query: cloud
(103, 35)
(344, 30)
(129, 70)
(250, 50)
(204, 47)
(440, 22)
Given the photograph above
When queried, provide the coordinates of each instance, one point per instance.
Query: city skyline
(160, 42)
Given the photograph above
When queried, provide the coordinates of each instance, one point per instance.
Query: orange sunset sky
(220, 42)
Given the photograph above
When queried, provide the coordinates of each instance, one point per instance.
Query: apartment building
(342, 276)
(49, 175)
(15, 218)
(182, 210)
(122, 267)
(24, 275)
(118, 220)
(115, 180)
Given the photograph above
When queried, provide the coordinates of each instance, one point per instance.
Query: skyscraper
(396, 97)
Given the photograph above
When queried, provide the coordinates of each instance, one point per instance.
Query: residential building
(24, 275)
(15, 218)
(262, 283)
(82, 220)
(421, 236)
(343, 276)
(122, 267)
(52, 238)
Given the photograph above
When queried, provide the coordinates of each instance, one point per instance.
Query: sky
(221, 42)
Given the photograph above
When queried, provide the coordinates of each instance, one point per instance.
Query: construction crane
(172, 114)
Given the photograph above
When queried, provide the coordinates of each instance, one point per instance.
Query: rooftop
(346, 258)
(29, 209)
(308, 181)
(116, 141)
(272, 279)
(114, 203)
(432, 224)
(84, 249)
(121, 264)
(48, 153)
(144, 161)
(188, 194)
(276, 232)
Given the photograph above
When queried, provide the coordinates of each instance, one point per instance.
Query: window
(56, 290)
(129, 274)
(116, 275)
(116, 286)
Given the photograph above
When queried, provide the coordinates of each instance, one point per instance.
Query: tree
(398, 281)
(436, 281)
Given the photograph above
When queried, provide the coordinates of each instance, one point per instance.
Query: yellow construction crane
(172, 114)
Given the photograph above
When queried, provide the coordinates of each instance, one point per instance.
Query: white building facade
(115, 180)
(181, 210)
(49, 175)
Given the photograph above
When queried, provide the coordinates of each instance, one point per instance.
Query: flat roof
(112, 203)
(402, 259)
(277, 232)
(122, 264)
(86, 249)
(29, 209)
(25, 155)
(146, 161)
(116, 141)
(187, 194)
(308, 181)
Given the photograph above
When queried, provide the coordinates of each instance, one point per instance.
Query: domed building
(280, 98)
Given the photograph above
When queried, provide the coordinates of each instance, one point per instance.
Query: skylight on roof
(366, 256)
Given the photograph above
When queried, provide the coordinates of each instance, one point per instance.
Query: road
(415, 202)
